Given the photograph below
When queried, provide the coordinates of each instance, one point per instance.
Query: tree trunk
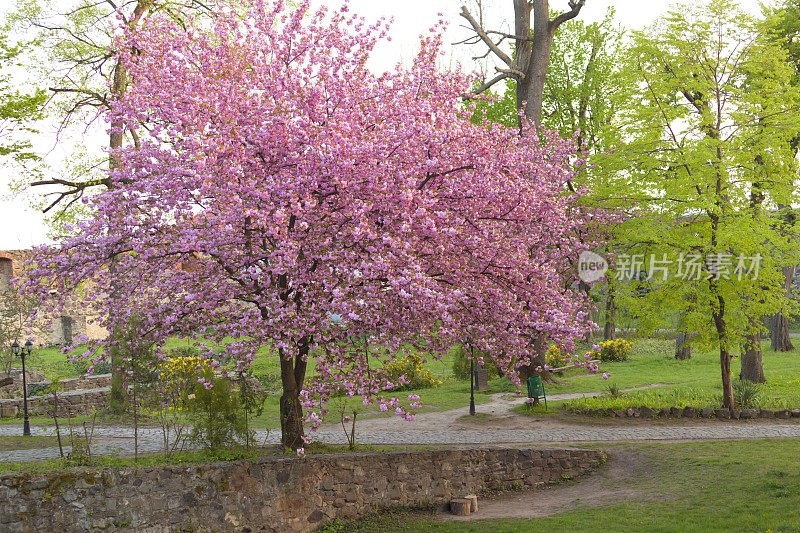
(538, 360)
(752, 369)
(118, 396)
(291, 411)
(780, 340)
(535, 55)
(683, 346)
(610, 329)
(724, 355)
(291, 420)
(587, 289)
(779, 323)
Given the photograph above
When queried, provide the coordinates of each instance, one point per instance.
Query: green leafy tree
(710, 110)
(782, 27)
(19, 110)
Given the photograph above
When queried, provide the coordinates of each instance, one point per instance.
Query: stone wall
(76, 402)
(275, 494)
(79, 316)
(37, 382)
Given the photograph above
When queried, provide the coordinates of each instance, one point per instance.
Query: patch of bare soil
(614, 482)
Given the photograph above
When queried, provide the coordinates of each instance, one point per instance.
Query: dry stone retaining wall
(76, 402)
(276, 494)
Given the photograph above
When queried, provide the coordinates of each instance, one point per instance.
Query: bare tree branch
(575, 8)
(486, 86)
(485, 38)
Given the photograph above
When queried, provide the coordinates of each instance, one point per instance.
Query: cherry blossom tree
(283, 194)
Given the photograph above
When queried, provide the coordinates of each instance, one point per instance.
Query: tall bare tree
(532, 40)
(85, 75)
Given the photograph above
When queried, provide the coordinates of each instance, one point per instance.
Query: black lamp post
(471, 379)
(16, 349)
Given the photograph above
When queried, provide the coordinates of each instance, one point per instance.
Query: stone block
(646, 412)
(707, 412)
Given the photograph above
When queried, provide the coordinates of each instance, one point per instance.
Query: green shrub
(82, 367)
(747, 394)
(217, 413)
(218, 409)
(613, 390)
(460, 354)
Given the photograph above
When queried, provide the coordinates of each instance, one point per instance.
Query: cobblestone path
(119, 440)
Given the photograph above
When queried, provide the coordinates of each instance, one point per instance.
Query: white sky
(22, 227)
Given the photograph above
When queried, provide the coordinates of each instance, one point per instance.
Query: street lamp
(471, 378)
(16, 349)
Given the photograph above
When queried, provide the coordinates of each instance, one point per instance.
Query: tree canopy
(294, 186)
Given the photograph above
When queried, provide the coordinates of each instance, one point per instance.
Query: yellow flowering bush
(179, 374)
(612, 351)
(217, 407)
(555, 357)
(417, 376)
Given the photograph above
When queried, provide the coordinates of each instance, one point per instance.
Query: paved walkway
(119, 440)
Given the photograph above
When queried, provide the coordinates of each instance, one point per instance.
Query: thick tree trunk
(683, 346)
(291, 420)
(527, 371)
(752, 369)
(724, 355)
(779, 323)
(291, 411)
(780, 340)
(536, 54)
(610, 329)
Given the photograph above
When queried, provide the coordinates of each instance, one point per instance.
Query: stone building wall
(277, 494)
(79, 316)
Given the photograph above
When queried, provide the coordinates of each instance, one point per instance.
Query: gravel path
(120, 441)
(500, 427)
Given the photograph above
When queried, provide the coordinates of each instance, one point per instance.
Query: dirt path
(613, 482)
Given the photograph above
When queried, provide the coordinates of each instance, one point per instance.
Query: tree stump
(473, 502)
(460, 506)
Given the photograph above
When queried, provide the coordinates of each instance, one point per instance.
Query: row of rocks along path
(498, 426)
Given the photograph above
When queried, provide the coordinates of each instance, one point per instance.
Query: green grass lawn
(699, 487)
(694, 382)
